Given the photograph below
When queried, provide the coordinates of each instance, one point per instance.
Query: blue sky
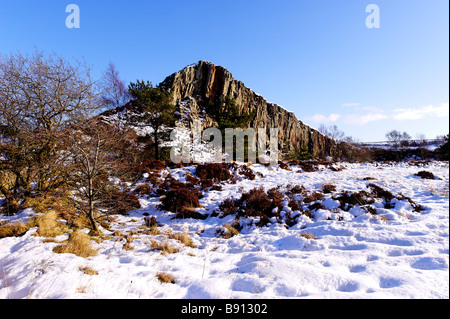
(316, 58)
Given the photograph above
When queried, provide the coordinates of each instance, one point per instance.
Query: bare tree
(323, 129)
(405, 138)
(95, 159)
(332, 131)
(422, 143)
(335, 133)
(39, 97)
(394, 137)
(115, 94)
(398, 139)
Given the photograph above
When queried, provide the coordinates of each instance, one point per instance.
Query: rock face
(196, 85)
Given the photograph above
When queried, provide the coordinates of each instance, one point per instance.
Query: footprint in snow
(357, 268)
(430, 263)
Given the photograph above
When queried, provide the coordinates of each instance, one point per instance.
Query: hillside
(325, 248)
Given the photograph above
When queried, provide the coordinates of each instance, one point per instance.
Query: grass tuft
(79, 243)
(165, 278)
(13, 230)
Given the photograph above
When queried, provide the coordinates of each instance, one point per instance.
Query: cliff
(198, 84)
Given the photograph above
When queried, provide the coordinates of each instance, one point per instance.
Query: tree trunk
(91, 207)
(155, 136)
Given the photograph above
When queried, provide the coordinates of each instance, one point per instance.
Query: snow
(358, 255)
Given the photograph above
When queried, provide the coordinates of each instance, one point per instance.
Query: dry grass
(118, 233)
(183, 238)
(88, 271)
(165, 247)
(152, 231)
(13, 230)
(229, 232)
(79, 243)
(308, 235)
(49, 226)
(127, 245)
(386, 218)
(444, 192)
(165, 278)
(58, 201)
(405, 216)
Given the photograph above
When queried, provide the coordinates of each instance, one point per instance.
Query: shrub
(328, 188)
(149, 166)
(189, 214)
(247, 172)
(213, 171)
(153, 165)
(297, 189)
(379, 192)
(192, 181)
(443, 152)
(312, 197)
(256, 203)
(425, 175)
(294, 205)
(348, 199)
(276, 197)
(228, 207)
(180, 198)
(283, 165)
(143, 189)
(416, 207)
(307, 166)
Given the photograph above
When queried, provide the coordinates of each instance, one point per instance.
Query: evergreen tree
(225, 112)
(155, 109)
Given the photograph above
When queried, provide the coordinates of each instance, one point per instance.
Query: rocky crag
(197, 85)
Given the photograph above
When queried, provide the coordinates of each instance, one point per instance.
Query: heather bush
(379, 192)
(312, 197)
(228, 207)
(143, 189)
(256, 203)
(349, 199)
(213, 171)
(328, 188)
(425, 175)
(179, 198)
(147, 166)
(247, 172)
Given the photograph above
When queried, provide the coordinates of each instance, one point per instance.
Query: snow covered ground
(405, 254)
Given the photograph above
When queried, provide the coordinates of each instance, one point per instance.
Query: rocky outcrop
(198, 84)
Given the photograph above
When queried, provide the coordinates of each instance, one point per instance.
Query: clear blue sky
(316, 58)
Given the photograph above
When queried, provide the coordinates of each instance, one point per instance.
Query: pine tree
(225, 112)
(155, 109)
